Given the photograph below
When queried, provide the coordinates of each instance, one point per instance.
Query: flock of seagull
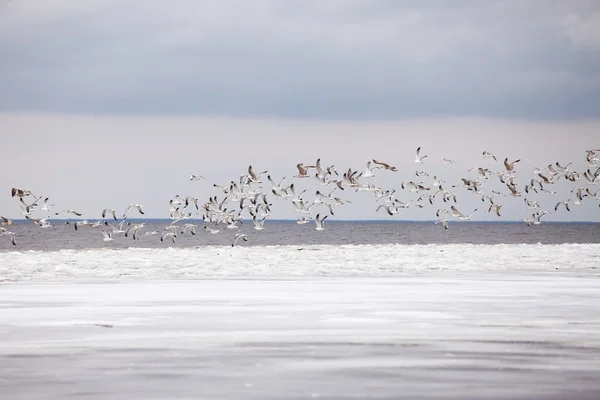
(250, 197)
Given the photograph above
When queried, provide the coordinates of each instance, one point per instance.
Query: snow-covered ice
(418, 336)
(386, 321)
(295, 261)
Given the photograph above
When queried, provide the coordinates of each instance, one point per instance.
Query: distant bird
(448, 161)
(11, 235)
(565, 203)
(20, 192)
(258, 225)
(77, 213)
(131, 207)
(237, 237)
(303, 220)
(107, 237)
(42, 223)
(320, 222)
(487, 154)
(211, 230)
(189, 227)
(443, 221)
(419, 159)
(386, 166)
(46, 206)
(166, 235)
(106, 211)
(510, 166)
(194, 177)
(495, 207)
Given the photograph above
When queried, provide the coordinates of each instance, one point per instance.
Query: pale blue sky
(104, 103)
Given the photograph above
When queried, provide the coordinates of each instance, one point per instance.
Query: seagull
(20, 192)
(42, 223)
(303, 220)
(320, 222)
(46, 206)
(565, 203)
(528, 221)
(237, 237)
(302, 171)
(12, 237)
(258, 225)
(194, 177)
(69, 212)
(448, 161)
(513, 190)
(6, 221)
(132, 206)
(487, 154)
(496, 207)
(108, 210)
(510, 166)
(369, 170)
(107, 236)
(385, 165)
(532, 204)
(211, 230)
(168, 234)
(190, 227)
(461, 216)
(444, 221)
(419, 159)
(276, 186)
(254, 178)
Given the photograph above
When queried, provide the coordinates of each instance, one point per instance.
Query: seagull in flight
(237, 237)
(320, 222)
(107, 237)
(385, 165)
(108, 210)
(487, 154)
(194, 177)
(510, 166)
(419, 159)
(131, 207)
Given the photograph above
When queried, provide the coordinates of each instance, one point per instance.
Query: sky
(107, 103)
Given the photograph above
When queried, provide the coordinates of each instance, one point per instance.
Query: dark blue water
(64, 236)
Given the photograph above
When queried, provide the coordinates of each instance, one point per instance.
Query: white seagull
(237, 237)
(418, 158)
(320, 222)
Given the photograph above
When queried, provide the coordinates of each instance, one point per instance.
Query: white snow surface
(294, 261)
(474, 336)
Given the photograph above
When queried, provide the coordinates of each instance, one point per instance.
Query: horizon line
(330, 221)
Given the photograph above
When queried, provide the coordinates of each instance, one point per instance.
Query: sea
(363, 309)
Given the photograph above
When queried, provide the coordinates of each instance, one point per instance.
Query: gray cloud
(314, 59)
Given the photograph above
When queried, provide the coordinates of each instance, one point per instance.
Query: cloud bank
(350, 59)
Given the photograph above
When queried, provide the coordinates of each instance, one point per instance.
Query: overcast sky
(104, 103)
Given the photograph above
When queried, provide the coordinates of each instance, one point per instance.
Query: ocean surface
(383, 310)
(283, 233)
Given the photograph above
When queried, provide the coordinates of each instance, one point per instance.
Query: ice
(385, 321)
(295, 261)
(473, 336)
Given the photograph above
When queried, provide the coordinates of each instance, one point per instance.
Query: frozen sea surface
(386, 321)
(295, 261)
(432, 336)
